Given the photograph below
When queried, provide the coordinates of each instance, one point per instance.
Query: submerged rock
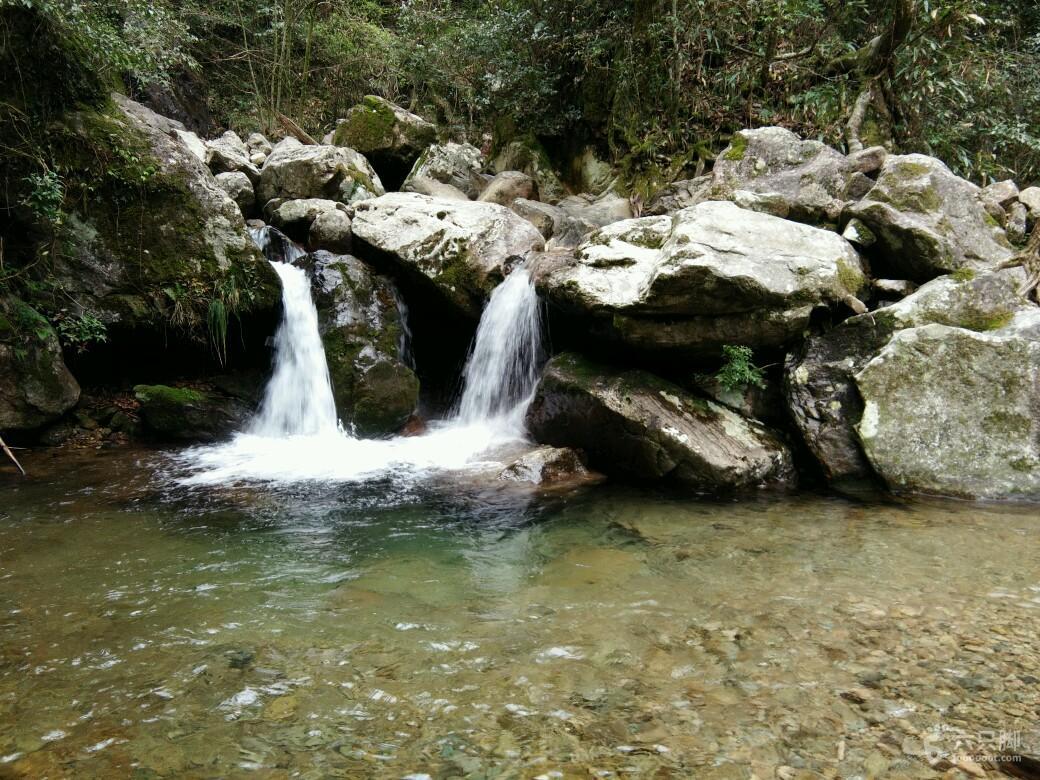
(188, 414)
(389, 136)
(819, 382)
(637, 426)
(360, 323)
(928, 221)
(451, 163)
(953, 411)
(328, 172)
(35, 386)
(713, 274)
(460, 249)
(548, 466)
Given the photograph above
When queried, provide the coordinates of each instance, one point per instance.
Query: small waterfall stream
(295, 435)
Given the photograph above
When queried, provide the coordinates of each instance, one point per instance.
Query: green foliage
(79, 331)
(738, 371)
(45, 196)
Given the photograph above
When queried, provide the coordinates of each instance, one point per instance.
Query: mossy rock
(390, 137)
(189, 414)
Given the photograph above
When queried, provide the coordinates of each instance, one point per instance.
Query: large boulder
(329, 172)
(456, 164)
(294, 217)
(636, 426)
(459, 249)
(711, 275)
(528, 156)
(954, 412)
(362, 330)
(158, 240)
(679, 195)
(190, 414)
(35, 386)
(507, 187)
(812, 180)
(555, 224)
(600, 211)
(823, 400)
(390, 137)
(238, 186)
(228, 154)
(929, 222)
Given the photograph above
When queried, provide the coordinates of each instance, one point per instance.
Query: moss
(963, 274)
(166, 395)
(737, 148)
(851, 278)
(1001, 423)
(368, 126)
(983, 322)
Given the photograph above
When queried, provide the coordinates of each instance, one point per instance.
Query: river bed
(454, 628)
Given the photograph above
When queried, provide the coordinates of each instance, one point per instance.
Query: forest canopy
(655, 84)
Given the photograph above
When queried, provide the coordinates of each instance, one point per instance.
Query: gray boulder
(819, 380)
(294, 217)
(548, 466)
(362, 331)
(228, 154)
(240, 189)
(190, 414)
(331, 230)
(1030, 198)
(435, 189)
(451, 163)
(35, 386)
(928, 221)
(554, 223)
(389, 136)
(602, 210)
(954, 412)
(1001, 193)
(713, 274)
(507, 187)
(636, 426)
(258, 143)
(529, 157)
(459, 249)
(679, 195)
(329, 172)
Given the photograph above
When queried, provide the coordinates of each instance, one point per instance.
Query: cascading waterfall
(502, 370)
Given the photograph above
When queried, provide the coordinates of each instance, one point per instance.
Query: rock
(228, 154)
(952, 411)
(434, 189)
(35, 386)
(171, 243)
(928, 221)
(507, 187)
(768, 203)
(328, 172)
(894, 288)
(361, 328)
(713, 274)
(289, 142)
(813, 179)
(859, 234)
(607, 209)
(450, 163)
(528, 156)
(869, 160)
(240, 189)
(258, 143)
(1002, 193)
(195, 144)
(547, 466)
(390, 137)
(459, 249)
(1030, 198)
(1018, 223)
(591, 173)
(294, 217)
(636, 426)
(187, 414)
(819, 385)
(331, 230)
(679, 195)
(553, 222)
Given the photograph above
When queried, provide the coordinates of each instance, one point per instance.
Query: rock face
(361, 329)
(35, 386)
(450, 163)
(390, 137)
(328, 172)
(713, 274)
(928, 221)
(187, 414)
(954, 412)
(458, 248)
(637, 426)
(810, 178)
(819, 382)
(240, 189)
(169, 245)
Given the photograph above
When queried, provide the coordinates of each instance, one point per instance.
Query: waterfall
(502, 370)
(298, 400)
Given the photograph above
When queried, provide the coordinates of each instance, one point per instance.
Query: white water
(295, 436)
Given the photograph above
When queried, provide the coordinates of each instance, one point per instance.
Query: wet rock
(240, 189)
(822, 397)
(450, 163)
(375, 391)
(928, 221)
(389, 136)
(507, 187)
(36, 388)
(713, 274)
(636, 426)
(459, 249)
(953, 411)
(328, 172)
(547, 466)
(188, 414)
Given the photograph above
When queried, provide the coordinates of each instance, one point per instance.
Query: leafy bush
(738, 372)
